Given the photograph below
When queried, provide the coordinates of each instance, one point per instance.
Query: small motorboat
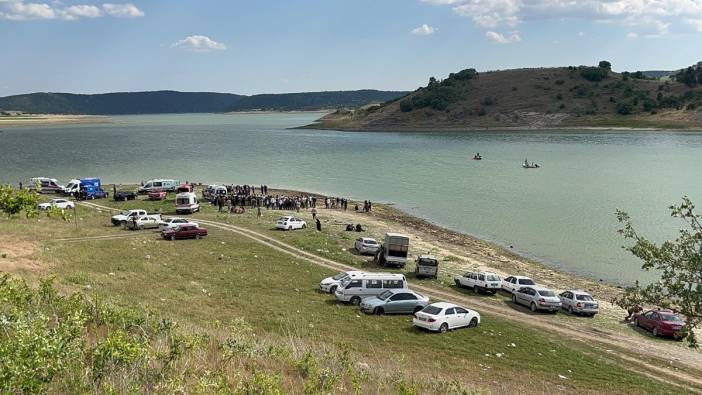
(531, 165)
(477, 157)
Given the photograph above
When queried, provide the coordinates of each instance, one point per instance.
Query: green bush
(594, 74)
(625, 108)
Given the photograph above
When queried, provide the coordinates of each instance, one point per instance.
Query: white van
(45, 185)
(330, 284)
(353, 289)
(186, 202)
(72, 187)
(159, 185)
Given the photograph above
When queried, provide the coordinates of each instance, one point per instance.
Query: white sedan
(366, 245)
(443, 316)
(514, 283)
(172, 223)
(290, 223)
(143, 222)
(58, 203)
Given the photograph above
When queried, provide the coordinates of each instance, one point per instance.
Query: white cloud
(424, 30)
(632, 35)
(126, 10)
(20, 10)
(651, 18)
(500, 38)
(198, 43)
(581, 34)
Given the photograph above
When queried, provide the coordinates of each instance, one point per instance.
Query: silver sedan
(394, 301)
(537, 298)
(579, 302)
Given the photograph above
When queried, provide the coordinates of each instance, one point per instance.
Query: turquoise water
(562, 213)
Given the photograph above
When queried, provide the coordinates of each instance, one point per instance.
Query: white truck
(394, 250)
(127, 216)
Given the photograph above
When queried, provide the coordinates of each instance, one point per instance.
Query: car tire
(378, 311)
(514, 299)
(443, 328)
(475, 289)
(198, 237)
(570, 310)
(141, 227)
(304, 226)
(333, 289)
(458, 283)
(473, 322)
(636, 323)
(532, 307)
(355, 301)
(655, 332)
(173, 238)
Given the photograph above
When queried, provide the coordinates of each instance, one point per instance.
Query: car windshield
(671, 317)
(340, 276)
(433, 310)
(428, 262)
(370, 241)
(526, 281)
(385, 295)
(492, 277)
(586, 298)
(345, 282)
(546, 292)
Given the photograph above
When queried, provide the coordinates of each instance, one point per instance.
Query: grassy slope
(188, 281)
(544, 97)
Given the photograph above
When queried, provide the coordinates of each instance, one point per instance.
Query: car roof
(538, 288)
(445, 305)
(427, 256)
(578, 292)
(368, 238)
(522, 277)
(396, 235)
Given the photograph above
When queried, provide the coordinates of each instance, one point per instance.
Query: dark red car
(184, 232)
(661, 323)
(158, 195)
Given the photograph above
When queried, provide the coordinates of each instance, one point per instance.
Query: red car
(661, 323)
(157, 195)
(184, 232)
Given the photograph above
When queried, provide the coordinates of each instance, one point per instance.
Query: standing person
(20, 184)
(370, 206)
(319, 225)
(258, 212)
(314, 213)
(220, 203)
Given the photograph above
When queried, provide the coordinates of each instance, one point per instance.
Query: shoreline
(525, 129)
(52, 119)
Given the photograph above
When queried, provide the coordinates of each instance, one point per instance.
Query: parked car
(172, 223)
(394, 301)
(394, 250)
(513, 283)
(442, 316)
(45, 185)
(537, 298)
(354, 289)
(144, 222)
(157, 194)
(184, 188)
(124, 196)
(426, 266)
(290, 223)
(184, 232)
(479, 281)
(661, 323)
(330, 284)
(366, 245)
(579, 302)
(58, 203)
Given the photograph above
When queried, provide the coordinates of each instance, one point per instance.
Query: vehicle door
(451, 317)
(403, 302)
(512, 285)
(372, 288)
(506, 284)
(462, 317)
(184, 232)
(480, 281)
(359, 244)
(566, 299)
(653, 321)
(522, 295)
(354, 288)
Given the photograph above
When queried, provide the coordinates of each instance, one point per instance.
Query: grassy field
(207, 285)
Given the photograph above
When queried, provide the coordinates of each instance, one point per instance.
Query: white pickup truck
(126, 216)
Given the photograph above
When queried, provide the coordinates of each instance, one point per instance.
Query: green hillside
(161, 102)
(539, 97)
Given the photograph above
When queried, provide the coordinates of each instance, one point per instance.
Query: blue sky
(307, 45)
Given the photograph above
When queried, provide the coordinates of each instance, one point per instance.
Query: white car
(479, 281)
(366, 245)
(579, 302)
(172, 223)
(513, 283)
(290, 223)
(144, 222)
(58, 203)
(443, 316)
(330, 284)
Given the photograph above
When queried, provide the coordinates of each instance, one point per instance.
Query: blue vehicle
(91, 188)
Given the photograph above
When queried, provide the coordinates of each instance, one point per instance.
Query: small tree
(605, 65)
(13, 201)
(679, 263)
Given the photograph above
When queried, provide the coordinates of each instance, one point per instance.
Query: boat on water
(531, 165)
(477, 157)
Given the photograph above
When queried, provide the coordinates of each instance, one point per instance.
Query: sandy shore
(51, 119)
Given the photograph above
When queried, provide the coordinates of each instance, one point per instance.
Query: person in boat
(526, 163)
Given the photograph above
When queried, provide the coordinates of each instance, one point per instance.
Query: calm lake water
(562, 213)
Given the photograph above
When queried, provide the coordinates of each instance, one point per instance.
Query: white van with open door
(187, 203)
(353, 289)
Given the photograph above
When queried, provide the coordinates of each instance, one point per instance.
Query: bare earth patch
(18, 255)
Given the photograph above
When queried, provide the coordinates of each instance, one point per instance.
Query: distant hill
(161, 102)
(536, 98)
